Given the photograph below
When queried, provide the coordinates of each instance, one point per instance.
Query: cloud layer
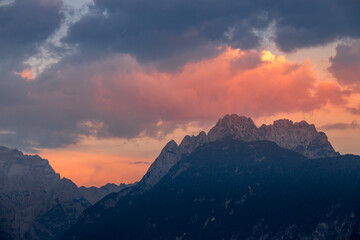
(345, 65)
(340, 126)
(171, 33)
(118, 97)
(137, 67)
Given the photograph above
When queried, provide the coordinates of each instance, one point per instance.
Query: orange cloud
(212, 87)
(26, 73)
(128, 99)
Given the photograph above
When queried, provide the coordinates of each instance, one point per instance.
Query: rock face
(231, 189)
(35, 203)
(300, 137)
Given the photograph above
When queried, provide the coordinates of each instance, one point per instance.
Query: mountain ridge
(230, 126)
(232, 189)
(35, 202)
(300, 137)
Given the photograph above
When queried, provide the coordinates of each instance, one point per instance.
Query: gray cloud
(68, 99)
(345, 65)
(159, 30)
(140, 162)
(340, 126)
(312, 23)
(355, 111)
(24, 24)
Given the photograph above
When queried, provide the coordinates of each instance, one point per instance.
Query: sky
(99, 87)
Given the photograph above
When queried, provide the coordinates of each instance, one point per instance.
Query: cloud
(345, 65)
(118, 97)
(170, 34)
(26, 73)
(307, 23)
(24, 23)
(141, 162)
(353, 110)
(340, 126)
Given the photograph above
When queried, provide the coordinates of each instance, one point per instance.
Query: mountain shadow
(231, 189)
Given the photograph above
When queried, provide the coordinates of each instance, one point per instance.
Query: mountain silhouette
(232, 189)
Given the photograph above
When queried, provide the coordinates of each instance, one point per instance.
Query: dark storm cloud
(345, 65)
(154, 31)
(305, 23)
(26, 23)
(90, 92)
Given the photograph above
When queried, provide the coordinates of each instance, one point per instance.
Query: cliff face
(35, 203)
(300, 137)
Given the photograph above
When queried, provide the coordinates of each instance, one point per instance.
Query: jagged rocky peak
(170, 155)
(171, 145)
(240, 127)
(300, 137)
(32, 192)
(166, 159)
(283, 123)
(288, 124)
(190, 143)
(24, 171)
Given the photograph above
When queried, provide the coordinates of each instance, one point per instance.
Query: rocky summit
(300, 137)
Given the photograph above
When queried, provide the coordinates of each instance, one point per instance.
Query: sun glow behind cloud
(212, 87)
(257, 84)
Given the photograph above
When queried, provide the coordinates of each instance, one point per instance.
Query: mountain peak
(300, 137)
(283, 123)
(235, 120)
(234, 125)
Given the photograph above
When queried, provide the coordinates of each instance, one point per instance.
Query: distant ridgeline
(35, 203)
(282, 181)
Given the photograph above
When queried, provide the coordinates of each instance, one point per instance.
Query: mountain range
(231, 189)
(238, 181)
(35, 202)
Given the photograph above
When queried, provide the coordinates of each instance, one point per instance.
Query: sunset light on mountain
(117, 114)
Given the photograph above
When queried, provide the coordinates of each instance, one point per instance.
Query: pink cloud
(212, 87)
(26, 73)
(126, 98)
